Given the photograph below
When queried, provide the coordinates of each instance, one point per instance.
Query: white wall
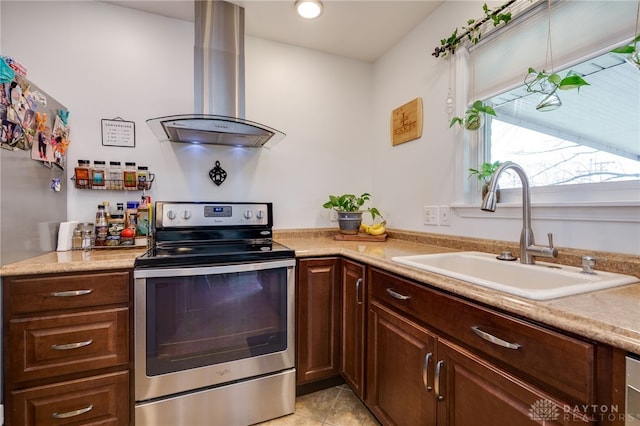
(429, 171)
(104, 61)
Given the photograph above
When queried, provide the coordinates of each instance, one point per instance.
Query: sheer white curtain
(579, 29)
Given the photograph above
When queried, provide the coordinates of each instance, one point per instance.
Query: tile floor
(336, 406)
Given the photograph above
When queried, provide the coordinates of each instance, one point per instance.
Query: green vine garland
(472, 30)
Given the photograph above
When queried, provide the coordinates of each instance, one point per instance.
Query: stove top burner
(201, 234)
(216, 254)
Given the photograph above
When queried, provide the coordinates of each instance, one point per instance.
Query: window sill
(609, 211)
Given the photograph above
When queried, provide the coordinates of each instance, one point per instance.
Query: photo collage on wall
(25, 120)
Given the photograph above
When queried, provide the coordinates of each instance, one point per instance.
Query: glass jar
(143, 177)
(98, 175)
(76, 240)
(131, 215)
(115, 176)
(82, 175)
(130, 176)
(101, 226)
(116, 224)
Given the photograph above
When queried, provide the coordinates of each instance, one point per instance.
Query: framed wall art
(118, 132)
(406, 122)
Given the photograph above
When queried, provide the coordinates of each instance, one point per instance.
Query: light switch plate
(444, 214)
(430, 215)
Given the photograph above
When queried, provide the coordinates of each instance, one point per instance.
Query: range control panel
(204, 214)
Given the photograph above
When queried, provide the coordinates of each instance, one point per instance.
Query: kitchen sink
(540, 281)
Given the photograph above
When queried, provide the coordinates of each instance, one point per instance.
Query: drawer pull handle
(72, 413)
(397, 295)
(495, 340)
(425, 372)
(436, 380)
(358, 285)
(68, 346)
(71, 293)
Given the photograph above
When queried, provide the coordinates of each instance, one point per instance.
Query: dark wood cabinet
(458, 363)
(473, 391)
(400, 356)
(353, 325)
(317, 319)
(68, 348)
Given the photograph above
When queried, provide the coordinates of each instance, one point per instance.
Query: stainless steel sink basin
(541, 281)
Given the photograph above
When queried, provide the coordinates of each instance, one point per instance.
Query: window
(594, 137)
(593, 140)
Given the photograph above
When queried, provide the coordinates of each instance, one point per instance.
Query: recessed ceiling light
(309, 9)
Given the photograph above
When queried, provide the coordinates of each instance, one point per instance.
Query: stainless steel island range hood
(218, 85)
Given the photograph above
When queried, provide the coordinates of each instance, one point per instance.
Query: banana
(378, 230)
(364, 228)
(378, 225)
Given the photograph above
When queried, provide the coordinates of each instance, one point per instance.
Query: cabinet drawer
(52, 346)
(38, 294)
(100, 400)
(543, 356)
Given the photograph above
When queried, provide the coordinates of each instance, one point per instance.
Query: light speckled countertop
(74, 261)
(609, 316)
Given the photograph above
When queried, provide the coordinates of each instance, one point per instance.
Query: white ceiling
(359, 29)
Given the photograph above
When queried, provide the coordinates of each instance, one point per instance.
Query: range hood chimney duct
(219, 59)
(219, 107)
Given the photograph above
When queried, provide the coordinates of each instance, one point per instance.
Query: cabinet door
(474, 392)
(318, 319)
(399, 365)
(352, 362)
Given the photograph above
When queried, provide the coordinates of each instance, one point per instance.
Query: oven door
(204, 326)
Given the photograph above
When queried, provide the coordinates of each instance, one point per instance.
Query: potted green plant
(484, 174)
(548, 84)
(474, 116)
(350, 208)
(630, 51)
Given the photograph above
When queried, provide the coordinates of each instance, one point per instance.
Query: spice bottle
(98, 175)
(130, 176)
(115, 176)
(143, 217)
(116, 223)
(131, 216)
(143, 177)
(101, 226)
(76, 240)
(82, 174)
(107, 209)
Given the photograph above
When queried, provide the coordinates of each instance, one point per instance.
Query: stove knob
(248, 214)
(186, 214)
(171, 214)
(259, 214)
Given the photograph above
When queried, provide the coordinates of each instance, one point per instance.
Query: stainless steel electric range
(214, 317)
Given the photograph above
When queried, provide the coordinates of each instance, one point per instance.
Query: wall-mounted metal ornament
(217, 174)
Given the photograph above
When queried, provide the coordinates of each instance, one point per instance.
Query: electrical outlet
(430, 215)
(334, 216)
(444, 213)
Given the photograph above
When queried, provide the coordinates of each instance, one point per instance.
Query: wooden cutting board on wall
(406, 122)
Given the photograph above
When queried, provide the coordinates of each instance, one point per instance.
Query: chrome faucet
(528, 248)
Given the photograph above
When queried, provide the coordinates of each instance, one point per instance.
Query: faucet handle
(550, 236)
(554, 251)
(589, 262)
